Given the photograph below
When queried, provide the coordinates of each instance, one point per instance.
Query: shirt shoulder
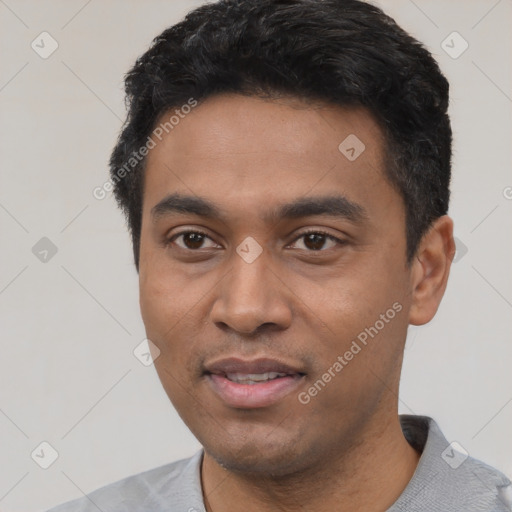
(174, 486)
(447, 479)
(484, 487)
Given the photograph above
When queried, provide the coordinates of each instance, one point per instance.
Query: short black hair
(343, 52)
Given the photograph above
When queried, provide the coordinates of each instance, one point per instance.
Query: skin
(344, 450)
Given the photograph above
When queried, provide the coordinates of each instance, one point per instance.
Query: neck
(370, 476)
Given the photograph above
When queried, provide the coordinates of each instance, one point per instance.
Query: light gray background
(69, 326)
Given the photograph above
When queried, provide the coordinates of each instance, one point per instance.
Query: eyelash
(320, 232)
(303, 234)
(188, 232)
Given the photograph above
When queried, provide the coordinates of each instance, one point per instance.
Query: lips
(257, 366)
(252, 384)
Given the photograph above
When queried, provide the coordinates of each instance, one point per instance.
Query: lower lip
(252, 396)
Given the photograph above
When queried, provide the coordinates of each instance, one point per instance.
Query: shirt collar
(445, 476)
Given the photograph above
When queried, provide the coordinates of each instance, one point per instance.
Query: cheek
(163, 295)
(173, 311)
(164, 303)
(354, 297)
(158, 303)
(362, 318)
(168, 313)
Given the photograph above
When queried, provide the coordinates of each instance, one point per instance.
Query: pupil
(315, 241)
(193, 240)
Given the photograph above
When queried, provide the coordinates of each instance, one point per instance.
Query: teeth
(253, 378)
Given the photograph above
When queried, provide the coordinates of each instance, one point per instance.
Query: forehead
(250, 152)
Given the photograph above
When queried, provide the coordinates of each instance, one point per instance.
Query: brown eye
(192, 240)
(316, 241)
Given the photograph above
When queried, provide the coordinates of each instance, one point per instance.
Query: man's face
(302, 253)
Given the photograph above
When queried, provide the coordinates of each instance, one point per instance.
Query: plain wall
(69, 326)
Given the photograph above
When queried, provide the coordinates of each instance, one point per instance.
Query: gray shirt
(446, 480)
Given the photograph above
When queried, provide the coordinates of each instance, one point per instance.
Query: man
(285, 172)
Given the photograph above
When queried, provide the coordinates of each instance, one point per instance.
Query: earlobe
(430, 270)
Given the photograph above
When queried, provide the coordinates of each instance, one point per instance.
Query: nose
(251, 298)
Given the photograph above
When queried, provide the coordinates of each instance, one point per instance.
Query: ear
(430, 270)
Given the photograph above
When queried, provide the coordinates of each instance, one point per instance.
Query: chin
(263, 465)
(277, 459)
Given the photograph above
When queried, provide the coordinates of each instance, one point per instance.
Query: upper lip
(262, 365)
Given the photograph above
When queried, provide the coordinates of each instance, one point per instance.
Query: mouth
(252, 384)
(254, 378)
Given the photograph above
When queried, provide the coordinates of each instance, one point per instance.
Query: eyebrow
(334, 206)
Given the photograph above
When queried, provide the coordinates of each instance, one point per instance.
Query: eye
(317, 241)
(192, 240)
